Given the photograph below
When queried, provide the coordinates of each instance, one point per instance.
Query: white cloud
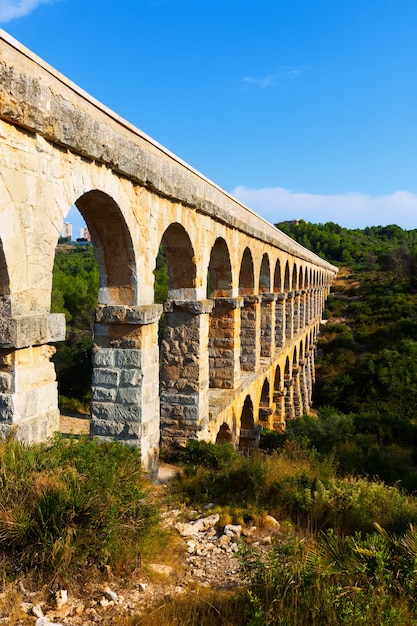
(352, 210)
(284, 73)
(12, 9)
(262, 83)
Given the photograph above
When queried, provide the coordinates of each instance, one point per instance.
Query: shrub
(333, 580)
(72, 504)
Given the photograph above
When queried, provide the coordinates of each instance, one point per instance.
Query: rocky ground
(208, 559)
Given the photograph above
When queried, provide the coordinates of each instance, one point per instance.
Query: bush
(300, 485)
(333, 580)
(71, 504)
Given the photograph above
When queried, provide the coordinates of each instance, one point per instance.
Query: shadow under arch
(265, 407)
(249, 434)
(220, 280)
(179, 254)
(4, 277)
(224, 434)
(183, 358)
(113, 248)
(249, 348)
(222, 342)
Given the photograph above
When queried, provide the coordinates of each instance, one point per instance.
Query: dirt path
(74, 425)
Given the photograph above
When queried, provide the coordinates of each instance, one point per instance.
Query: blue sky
(299, 108)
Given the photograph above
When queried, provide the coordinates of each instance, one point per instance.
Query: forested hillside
(367, 353)
(74, 293)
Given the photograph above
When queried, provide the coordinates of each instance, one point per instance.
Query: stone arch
(278, 398)
(277, 379)
(265, 275)
(265, 394)
(301, 351)
(267, 322)
(220, 271)
(4, 275)
(249, 436)
(246, 274)
(288, 385)
(179, 254)
(277, 277)
(287, 277)
(17, 289)
(295, 357)
(289, 305)
(113, 248)
(294, 282)
(224, 368)
(249, 336)
(224, 434)
(265, 409)
(301, 278)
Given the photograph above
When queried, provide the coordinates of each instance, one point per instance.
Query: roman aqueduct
(244, 302)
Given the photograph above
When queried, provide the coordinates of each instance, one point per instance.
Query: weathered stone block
(103, 394)
(6, 382)
(131, 377)
(104, 357)
(105, 376)
(6, 408)
(130, 395)
(129, 358)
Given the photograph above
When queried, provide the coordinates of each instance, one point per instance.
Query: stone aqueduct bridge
(244, 303)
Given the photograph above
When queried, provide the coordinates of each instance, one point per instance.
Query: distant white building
(66, 231)
(84, 234)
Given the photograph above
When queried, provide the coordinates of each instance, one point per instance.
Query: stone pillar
(303, 310)
(297, 400)
(310, 374)
(297, 312)
(267, 325)
(279, 414)
(308, 379)
(289, 316)
(224, 343)
(125, 386)
(305, 400)
(309, 306)
(28, 388)
(316, 303)
(250, 334)
(280, 324)
(288, 399)
(185, 371)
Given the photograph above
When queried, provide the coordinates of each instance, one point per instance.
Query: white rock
(143, 586)
(224, 540)
(37, 611)
(61, 598)
(191, 546)
(233, 530)
(200, 525)
(109, 594)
